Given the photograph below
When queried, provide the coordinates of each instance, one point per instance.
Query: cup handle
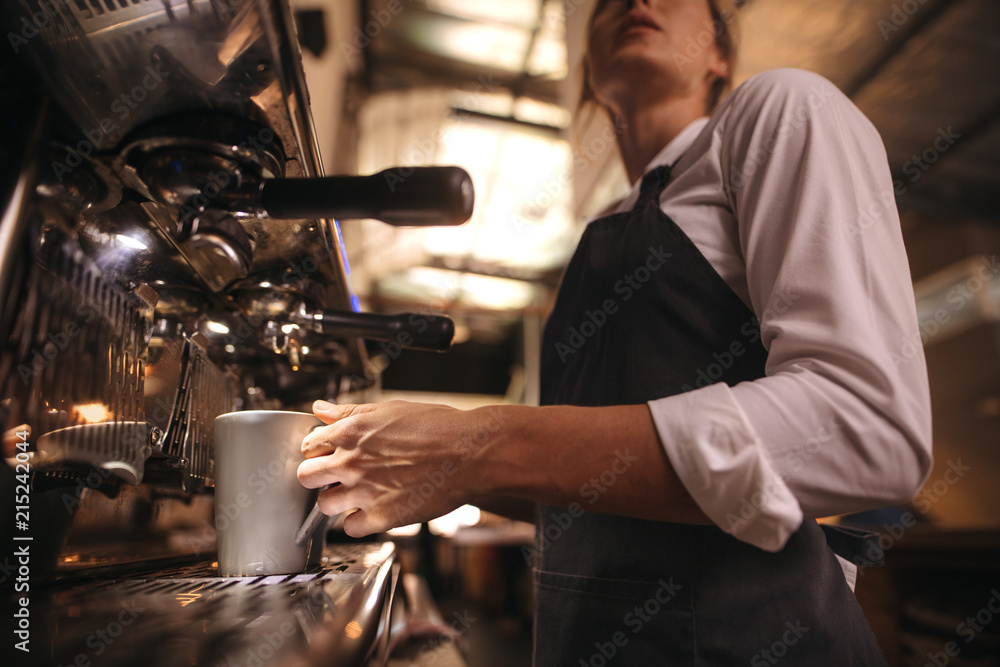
(315, 517)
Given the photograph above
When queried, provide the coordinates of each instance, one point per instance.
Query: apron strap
(652, 185)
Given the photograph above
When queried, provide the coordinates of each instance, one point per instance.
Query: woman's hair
(726, 32)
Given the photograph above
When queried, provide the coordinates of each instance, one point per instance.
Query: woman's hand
(397, 463)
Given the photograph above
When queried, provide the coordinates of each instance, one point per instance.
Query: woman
(723, 364)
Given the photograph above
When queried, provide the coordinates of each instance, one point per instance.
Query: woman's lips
(637, 23)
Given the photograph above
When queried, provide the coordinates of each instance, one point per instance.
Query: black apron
(641, 314)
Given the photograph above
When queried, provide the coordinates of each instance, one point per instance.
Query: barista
(757, 380)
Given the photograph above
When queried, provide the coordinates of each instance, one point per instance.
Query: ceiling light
(521, 13)
(497, 46)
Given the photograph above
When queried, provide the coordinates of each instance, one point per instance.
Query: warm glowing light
(131, 242)
(376, 557)
(187, 598)
(522, 13)
(523, 215)
(450, 523)
(93, 413)
(543, 113)
(217, 327)
(230, 349)
(498, 293)
(444, 285)
(353, 630)
(405, 531)
(501, 46)
(289, 328)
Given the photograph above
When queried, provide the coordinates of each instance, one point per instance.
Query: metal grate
(332, 615)
(205, 392)
(73, 367)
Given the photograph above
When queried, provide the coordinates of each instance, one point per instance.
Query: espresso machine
(169, 252)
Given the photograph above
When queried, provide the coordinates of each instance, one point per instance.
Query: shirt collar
(668, 155)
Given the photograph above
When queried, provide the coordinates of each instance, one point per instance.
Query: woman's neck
(647, 128)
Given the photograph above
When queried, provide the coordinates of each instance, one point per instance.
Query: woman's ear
(718, 68)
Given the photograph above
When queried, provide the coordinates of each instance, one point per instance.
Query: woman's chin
(634, 70)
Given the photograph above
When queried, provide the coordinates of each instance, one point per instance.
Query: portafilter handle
(408, 330)
(401, 196)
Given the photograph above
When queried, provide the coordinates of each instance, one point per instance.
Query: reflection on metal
(353, 630)
(190, 596)
(327, 616)
(169, 100)
(118, 447)
(117, 116)
(193, 391)
(79, 340)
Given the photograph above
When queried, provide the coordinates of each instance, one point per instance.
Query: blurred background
(492, 85)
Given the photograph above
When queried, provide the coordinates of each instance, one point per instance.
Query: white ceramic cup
(259, 502)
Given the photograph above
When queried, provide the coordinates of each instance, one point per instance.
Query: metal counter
(184, 614)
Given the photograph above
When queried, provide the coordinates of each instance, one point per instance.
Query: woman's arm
(841, 422)
(403, 463)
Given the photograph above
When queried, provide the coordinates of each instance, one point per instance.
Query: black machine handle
(401, 196)
(408, 330)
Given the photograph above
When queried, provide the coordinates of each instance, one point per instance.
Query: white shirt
(807, 234)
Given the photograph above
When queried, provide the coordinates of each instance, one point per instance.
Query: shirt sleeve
(841, 421)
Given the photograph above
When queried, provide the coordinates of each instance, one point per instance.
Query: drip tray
(336, 614)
